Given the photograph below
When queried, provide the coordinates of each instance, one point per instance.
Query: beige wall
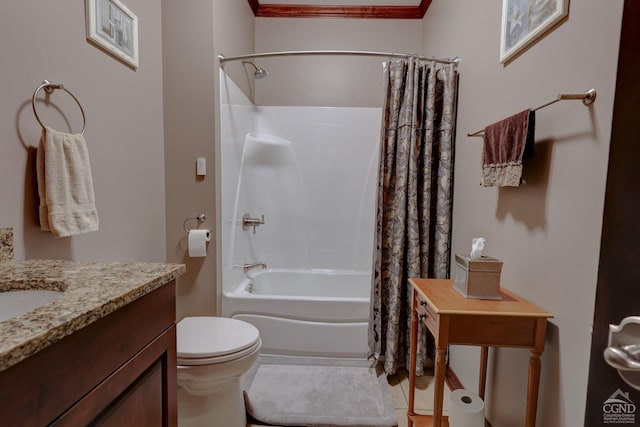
(193, 34)
(548, 231)
(124, 129)
(329, 80)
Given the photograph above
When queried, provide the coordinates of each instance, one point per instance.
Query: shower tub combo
(311, 171)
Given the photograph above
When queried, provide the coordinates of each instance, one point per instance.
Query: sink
(14, 303)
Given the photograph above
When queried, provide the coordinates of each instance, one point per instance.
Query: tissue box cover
(478, 278)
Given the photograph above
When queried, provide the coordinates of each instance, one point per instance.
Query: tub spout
(247, 267)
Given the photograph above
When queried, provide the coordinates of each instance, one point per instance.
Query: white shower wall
(311, 171)
(237, 117)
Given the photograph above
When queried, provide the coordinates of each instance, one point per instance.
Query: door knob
(623, 351)
(625, 357)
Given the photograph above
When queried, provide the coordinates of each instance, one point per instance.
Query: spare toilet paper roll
(467, 409)
(198, 242)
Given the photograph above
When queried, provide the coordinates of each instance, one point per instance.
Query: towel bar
(49, 88)
(587, 99)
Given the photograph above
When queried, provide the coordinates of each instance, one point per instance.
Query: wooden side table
(453, 319)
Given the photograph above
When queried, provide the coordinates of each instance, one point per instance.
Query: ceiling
(365, 9)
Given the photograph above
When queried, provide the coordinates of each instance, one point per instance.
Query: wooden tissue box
(478, 278)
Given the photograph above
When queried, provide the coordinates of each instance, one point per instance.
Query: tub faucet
(247, 267)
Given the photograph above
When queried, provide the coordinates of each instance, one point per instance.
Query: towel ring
(49, 88)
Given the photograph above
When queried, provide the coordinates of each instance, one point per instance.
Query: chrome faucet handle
(247, 222)
(258, 222)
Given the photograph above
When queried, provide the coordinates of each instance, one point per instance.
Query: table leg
(413, 349)
(484, 356)
(438, 392)
(533, 387)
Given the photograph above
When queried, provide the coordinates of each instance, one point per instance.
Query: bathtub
(319, 313)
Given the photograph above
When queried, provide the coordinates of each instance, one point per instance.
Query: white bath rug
(319, 395)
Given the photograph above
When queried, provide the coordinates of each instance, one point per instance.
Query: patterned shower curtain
(415, 181)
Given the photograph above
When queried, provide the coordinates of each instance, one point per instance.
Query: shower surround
(311, 171)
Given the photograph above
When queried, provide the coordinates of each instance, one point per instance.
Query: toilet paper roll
(198, 242)
(467, 409)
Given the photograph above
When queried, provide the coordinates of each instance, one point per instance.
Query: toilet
(213, 353)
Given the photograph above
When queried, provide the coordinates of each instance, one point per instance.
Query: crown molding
(353, 12)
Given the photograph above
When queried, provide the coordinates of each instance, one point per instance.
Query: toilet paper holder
(199, 218)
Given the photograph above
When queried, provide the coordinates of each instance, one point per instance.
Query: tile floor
(423, 403)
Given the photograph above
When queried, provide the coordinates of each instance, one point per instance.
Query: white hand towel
(65, 186)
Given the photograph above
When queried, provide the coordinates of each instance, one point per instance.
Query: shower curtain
(415, 181)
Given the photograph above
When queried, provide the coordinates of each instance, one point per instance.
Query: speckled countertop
(91, 291)
(6, 244)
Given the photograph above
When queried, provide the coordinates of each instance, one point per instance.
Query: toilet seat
(220, 359)
(204, 340)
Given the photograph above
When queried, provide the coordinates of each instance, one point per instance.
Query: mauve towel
(506, 144)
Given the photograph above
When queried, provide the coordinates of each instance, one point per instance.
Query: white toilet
(213, 353)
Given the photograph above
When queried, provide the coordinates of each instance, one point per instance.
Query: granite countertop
(91, 291)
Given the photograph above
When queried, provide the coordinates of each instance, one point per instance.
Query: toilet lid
(206, 336)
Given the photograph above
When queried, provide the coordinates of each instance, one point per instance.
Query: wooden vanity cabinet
(117, 371)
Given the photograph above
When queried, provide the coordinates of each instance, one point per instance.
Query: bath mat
(302, 394)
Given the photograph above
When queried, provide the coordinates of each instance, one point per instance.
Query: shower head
(259, 72)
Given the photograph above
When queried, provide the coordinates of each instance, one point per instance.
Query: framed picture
(523, 21)
(111, 26)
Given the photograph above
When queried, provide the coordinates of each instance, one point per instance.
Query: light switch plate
(201, 166)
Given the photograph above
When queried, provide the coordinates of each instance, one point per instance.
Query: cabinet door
(140, 393)
(139, 405)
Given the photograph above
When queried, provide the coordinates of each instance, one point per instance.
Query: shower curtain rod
(224, 59)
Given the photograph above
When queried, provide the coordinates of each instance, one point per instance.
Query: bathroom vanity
(103, 352)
